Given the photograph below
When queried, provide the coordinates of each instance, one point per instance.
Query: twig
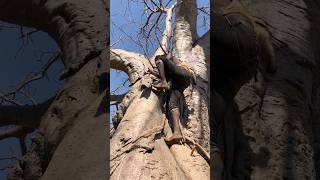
(18, 131)
(39, 75)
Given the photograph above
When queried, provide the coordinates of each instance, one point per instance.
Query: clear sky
(125, 21)
(16, 64)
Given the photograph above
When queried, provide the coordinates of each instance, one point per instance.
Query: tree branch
(28, 116)
(18, 131)
(135, 65)
(42, 73)
(163, 45)
(116, 97)
(10, 96)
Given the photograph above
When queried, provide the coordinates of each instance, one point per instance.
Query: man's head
(162, 57)
(170, 57)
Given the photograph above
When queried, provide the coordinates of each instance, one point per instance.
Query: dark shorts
(174, 99)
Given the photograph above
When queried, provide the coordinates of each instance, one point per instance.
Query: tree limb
(18, 131)
(135, 65)
(28, 116)
(163, 45)
(116, 97)
(10, 96)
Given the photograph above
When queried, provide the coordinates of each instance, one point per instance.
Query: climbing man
(172, 69)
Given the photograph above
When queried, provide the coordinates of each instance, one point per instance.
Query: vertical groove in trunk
(274, 137)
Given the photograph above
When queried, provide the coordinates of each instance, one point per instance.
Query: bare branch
(146, 4)
(121, 85)
(42, 72)
(166, 34)
(134, 40)
(28, 116)
(159, 7)
(23, 35)
(18, 131)
(5, 168)
(205, 10)
(154, 25)
(147, 22)
(8, 26)
(116, 97)
(10, 96)
(9, 158)
(135, 65)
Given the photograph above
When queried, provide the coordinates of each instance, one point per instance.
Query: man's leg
(174, 115)
(176, 136)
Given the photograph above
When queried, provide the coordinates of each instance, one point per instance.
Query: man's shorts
(175, 99)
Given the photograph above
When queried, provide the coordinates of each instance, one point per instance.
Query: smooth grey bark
(274, 133)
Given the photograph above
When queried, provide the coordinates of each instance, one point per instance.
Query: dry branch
(18, 131)
(163, 45)
(10, 96)
(26, 115)
(116, 97)
(134, 64)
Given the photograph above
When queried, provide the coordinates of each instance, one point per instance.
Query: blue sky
(125, 21)
(16, 63)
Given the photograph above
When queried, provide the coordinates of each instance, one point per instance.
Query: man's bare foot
(162, 86)
(174, 139)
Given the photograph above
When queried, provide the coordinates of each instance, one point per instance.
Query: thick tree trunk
(78, 112)
(271, 136)
(138, 150)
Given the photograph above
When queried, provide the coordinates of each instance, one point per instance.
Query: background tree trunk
(73, 132)
(275, 135)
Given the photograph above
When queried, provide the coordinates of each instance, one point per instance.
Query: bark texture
(137, 149)
(273, 132)
(73, 131)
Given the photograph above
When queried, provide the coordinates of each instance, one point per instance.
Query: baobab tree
(71, 137)
(274, 133)
(137, 148)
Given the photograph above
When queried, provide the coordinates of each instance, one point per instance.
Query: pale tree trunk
(73, 131)
(276, 135)
(137, 148)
